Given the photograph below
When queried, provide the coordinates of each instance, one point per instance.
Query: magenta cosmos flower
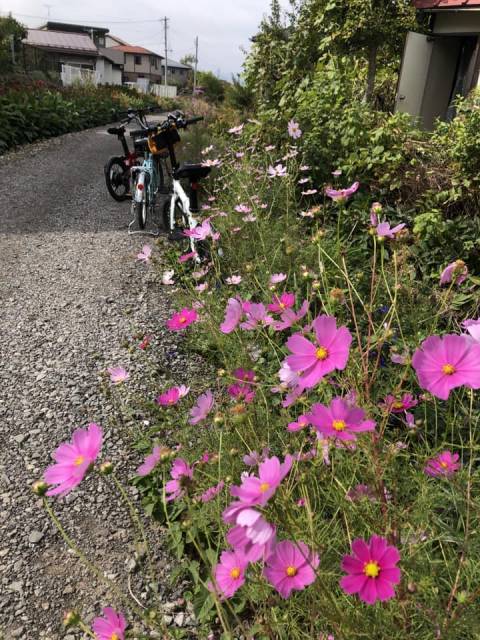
(259, 490)
(341, 195)
(281, 303)
(212, 492)
(445, 464)
(385, 231)
(230, 573)
(442, 364)
(72, 460)
(289, 317)
(242, 392)
(181, 474)
(118, 374)
(171, 396)
(152, 460)
(111, 627)
(340, 420)
(330, 352)
(276, 278)
(291, 566)
(395, 404)
(244, 375)
(456, 271)
(145, 254)
(238, 539)
(203, 407)
(372, 570)
(255, 527)
(182, 319)
(301, 423)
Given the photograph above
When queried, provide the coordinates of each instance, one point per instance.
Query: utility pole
(12, 48)
(165, 22)
(196, 64)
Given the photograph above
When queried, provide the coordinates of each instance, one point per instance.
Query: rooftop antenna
(48, 7)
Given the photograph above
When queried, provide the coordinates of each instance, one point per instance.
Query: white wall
(465, 21)
(107, 73)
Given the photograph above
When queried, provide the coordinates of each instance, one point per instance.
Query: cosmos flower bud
(233, 452)
(39, 488)
(71, 619)
(106, 468)
(221, 372)
(337, 295)
(218, 418)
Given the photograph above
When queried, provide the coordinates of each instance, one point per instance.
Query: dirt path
(70, 293)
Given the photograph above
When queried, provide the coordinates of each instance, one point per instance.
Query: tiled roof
(446, 4)
(111, 54)
(60, 40)
(128, 48)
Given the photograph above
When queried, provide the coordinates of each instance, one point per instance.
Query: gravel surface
(71, 292)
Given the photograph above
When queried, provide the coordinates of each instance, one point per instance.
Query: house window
(156, 63)
(138, 60)
(172, 71)
(101, 41)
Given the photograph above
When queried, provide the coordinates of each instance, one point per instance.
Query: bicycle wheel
(117, 178)
(140, 213)
(180, 223)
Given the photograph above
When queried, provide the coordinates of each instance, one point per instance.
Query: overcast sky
(223, 26)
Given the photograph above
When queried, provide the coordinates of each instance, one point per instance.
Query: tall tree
(11, 35)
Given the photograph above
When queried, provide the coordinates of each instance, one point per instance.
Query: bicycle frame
(179, 195)
(145, 184)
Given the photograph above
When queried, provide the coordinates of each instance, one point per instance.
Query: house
(109, 66)
(49, 50)
(139, 63)
(97, 34)
(443, 64)
(178, 73)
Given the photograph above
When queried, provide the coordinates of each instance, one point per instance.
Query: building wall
(466, 21)
(108, 73)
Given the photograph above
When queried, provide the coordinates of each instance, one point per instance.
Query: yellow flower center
(235, 573)
(398, 404)
(448, 369)
(371, 569)
(182, 320)
(339, 425)
(291, 571)
(264, 487)
(79, 460)
(282, 305)
(114, 636)
(322, 353)
(444, 465)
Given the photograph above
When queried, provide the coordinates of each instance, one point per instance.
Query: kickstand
(134, 229)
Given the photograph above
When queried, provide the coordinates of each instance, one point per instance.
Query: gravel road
(71, 292)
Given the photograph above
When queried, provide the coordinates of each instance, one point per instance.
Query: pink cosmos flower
(259, 490)
(233, 315)
(301, 423)
(256, 315)
(360, 492)
(145, 342)
(399, 358)
(243, 208)
(303, 180)
(171, 396)
(118, 374)
(111, 627)
(182, 319)
(309, 192)
(207, 150)
(340, 420)
(280, 304)
(341, 195)
(200, 232)
(337, 173)
(372, 570)
(233, 280)
(241, 392)
(289, 317)
(314, 361)
(181, 474)
(270, 147)
(254, 458)
(72, 460)
(473, 328)
(397, 405)
(456, 271)
(294, 130)
(203, 407)
(237, 538)
(145, 254)
(445, 464)
(167, 277)
(291, 566)
(276, 278)
(216, 162)
(150, 462)
(212, 492)
(279, 171)
(230, 573)
(236, 130)
(256, 528)
(305, 167)
(442, 364)
(187, 256)
(384, 230)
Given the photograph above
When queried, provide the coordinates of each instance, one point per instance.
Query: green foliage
(213, 87)
(239, 96)
(34, 110)
(11, 34)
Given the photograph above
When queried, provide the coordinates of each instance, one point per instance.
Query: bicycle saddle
(192, 171)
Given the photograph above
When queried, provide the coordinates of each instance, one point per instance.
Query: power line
(26, 15)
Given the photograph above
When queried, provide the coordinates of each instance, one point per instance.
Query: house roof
(112, 54)
(446, 4)
(129, 48)
(178, 65)
(117, 39)
(61, 41)
(75, 28)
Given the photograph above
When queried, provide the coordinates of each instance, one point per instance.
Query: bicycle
(178, 208)
(117, 169)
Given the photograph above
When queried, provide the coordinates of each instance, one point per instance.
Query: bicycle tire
(179, 225)
(139, 211)
(118, 184)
